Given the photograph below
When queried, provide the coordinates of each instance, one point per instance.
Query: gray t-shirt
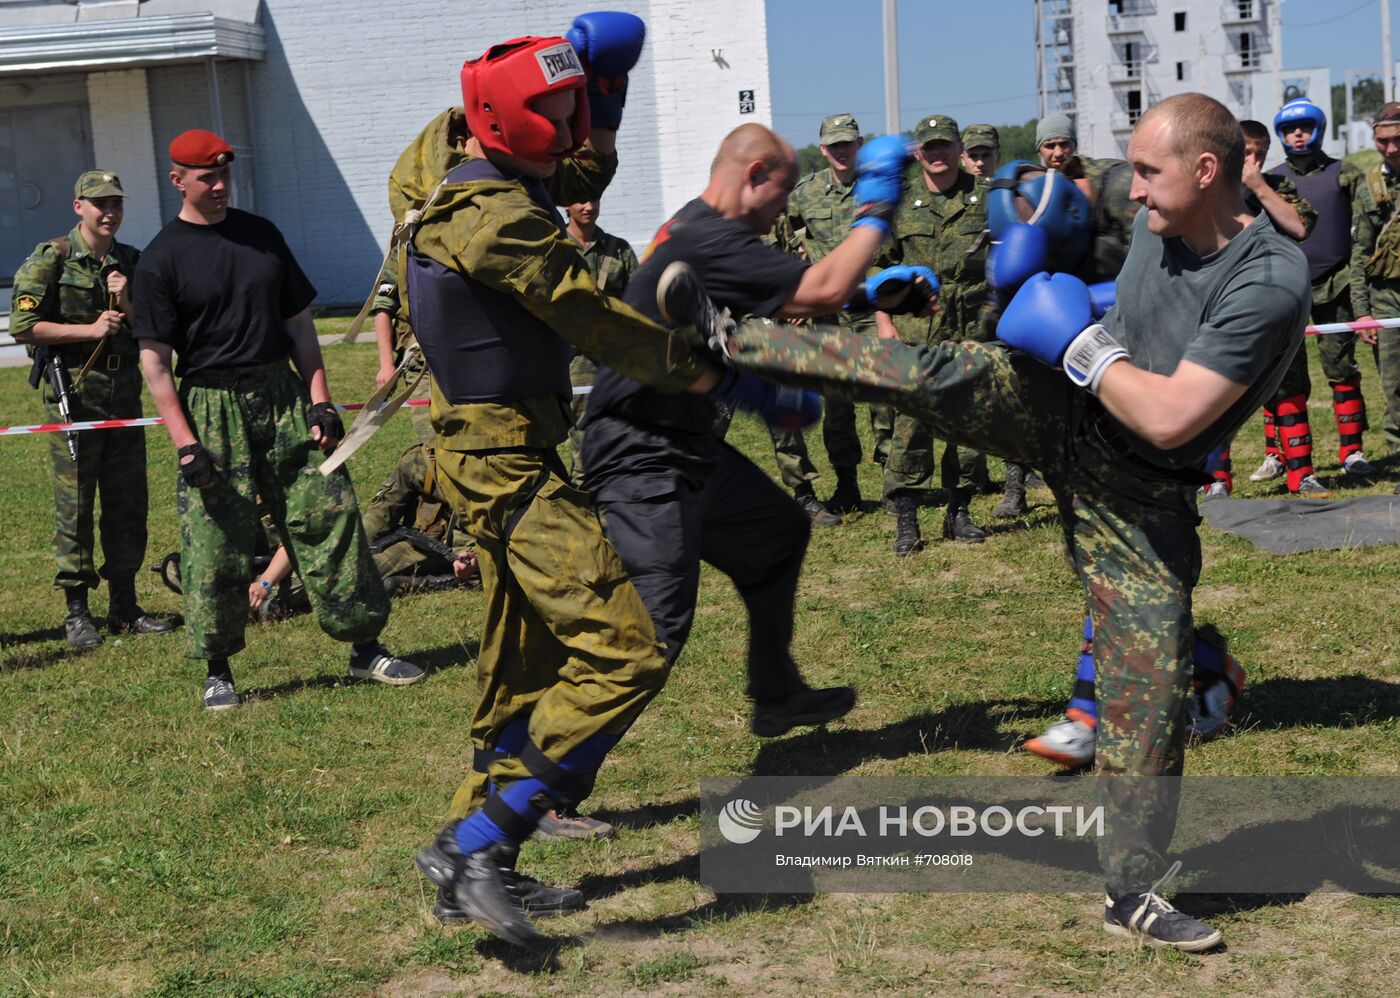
(1239, 312)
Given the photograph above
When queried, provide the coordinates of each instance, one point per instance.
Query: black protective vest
(1330, 241)
(481, 344)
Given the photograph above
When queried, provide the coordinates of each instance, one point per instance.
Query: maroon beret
(200, 150)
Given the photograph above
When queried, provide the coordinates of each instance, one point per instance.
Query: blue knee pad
(1083, 697)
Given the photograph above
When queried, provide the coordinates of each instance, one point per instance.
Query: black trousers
(743, 524)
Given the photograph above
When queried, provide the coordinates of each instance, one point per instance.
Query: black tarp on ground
(1287, 526)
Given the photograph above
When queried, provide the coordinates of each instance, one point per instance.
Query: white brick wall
(346, 85)
(120, 111)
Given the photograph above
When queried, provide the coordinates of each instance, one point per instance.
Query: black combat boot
(846, 498)
(957, 522)
(124, 616)
(81, 629)
(1013, 497)
(906, 530)
(814, 508)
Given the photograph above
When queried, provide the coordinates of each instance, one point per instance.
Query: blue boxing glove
(609, 43)
(785, 409)
(922, 285)
(1052, 319)
(1102, 297)
(1023, 250)
(880, 166)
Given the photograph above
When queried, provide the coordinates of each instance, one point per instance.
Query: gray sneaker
(219, 694)
(1271, 468)
(377, 664)
(1311, 488)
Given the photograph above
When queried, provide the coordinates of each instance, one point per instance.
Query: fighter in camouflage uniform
(611, 261)
(220, 287)
(1375, 261)
(498, 294)
(63, 301)
(940, 224)
(819, 214)
(1124, 455)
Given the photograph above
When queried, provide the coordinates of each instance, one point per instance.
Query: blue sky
(975, 59)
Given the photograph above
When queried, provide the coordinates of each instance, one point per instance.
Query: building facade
(319, 97)
(1106, 61)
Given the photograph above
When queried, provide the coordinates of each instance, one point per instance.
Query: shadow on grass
(974, 725)
(650, 815)
(430, 660)
(1331, 702)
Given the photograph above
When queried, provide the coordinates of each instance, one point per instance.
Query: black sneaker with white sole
(377, 664)
(682, 299)
(1148, 918)
(219, 694)
(805, 707)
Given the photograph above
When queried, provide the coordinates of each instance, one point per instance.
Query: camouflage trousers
(110, 462)
(1130, 528)
(566, 641)
(255, 424)
(910, 462)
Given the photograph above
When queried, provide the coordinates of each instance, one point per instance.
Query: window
(1181, 70)
(1248, 58)
(1179, 20)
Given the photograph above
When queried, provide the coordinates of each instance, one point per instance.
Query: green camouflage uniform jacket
(946, 233)
(51, 288)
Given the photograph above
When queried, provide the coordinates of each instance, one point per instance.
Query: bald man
(673, 493)
(1213, 303)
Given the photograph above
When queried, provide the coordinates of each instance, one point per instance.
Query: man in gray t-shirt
(1212, 306)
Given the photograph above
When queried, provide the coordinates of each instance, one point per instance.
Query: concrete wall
(120, 110)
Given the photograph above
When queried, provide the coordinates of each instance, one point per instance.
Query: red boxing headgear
(499, 87)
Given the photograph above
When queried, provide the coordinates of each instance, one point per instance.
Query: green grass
(148, 848)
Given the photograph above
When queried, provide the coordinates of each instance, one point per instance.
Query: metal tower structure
(1054, 55)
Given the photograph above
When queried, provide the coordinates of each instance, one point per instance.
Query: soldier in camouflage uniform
(70, 296)
(940, 224)
(220, 287)
(612, 261)
(981, 153)
(819, 214)
(1124, 457)
(1375, 261)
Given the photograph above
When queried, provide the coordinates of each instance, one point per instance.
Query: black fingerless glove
(327, 420)
(199, 472)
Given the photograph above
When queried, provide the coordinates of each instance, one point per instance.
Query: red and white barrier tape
(122, 424)
(1353, 327)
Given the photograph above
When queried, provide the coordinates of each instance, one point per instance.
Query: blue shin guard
(1083, 697)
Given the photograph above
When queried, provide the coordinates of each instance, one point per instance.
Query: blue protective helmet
(1025, 192)
(1296, 111)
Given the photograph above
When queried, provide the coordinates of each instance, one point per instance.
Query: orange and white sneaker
(1070, 742)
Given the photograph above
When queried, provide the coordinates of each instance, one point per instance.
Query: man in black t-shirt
(219, 287)
(673, 493)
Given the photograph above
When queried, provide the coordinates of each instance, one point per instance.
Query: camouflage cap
(1387, 115)
(981, 135)
(838, 128)
(936, 127)
(98, 184)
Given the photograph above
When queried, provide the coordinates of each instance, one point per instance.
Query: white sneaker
(1069, 742)
(1271, 468)
(1215, 490)
(1357, 465)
